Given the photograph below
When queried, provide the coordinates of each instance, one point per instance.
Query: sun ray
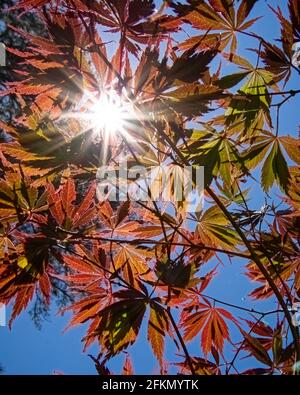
(108, 115)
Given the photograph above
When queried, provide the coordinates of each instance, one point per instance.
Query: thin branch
(264, 249)
(79, 237)
(234, 306)
(262, 40)
(261, 267)
(180, 338)
(231, 364)
(248, 245)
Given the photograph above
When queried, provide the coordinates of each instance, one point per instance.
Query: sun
(110, 114)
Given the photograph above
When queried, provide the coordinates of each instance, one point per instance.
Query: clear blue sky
(26, 350)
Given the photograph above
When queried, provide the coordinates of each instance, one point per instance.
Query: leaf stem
(248, 245)
(180, 338)
(262, 268)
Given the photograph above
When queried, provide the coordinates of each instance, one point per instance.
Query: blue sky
(26, 350)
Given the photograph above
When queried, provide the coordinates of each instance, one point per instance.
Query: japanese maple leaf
(132, 261)
(277, 60)
(28, 4)
(127, 368)
(88, 267)
(25, 272)
(120, 322)
(20, 199)
(158, 327)
(44, 68)
(263, 330)
(215, 16)
(63, 209)
(209, 320)
(133, 18)
(88, 308)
